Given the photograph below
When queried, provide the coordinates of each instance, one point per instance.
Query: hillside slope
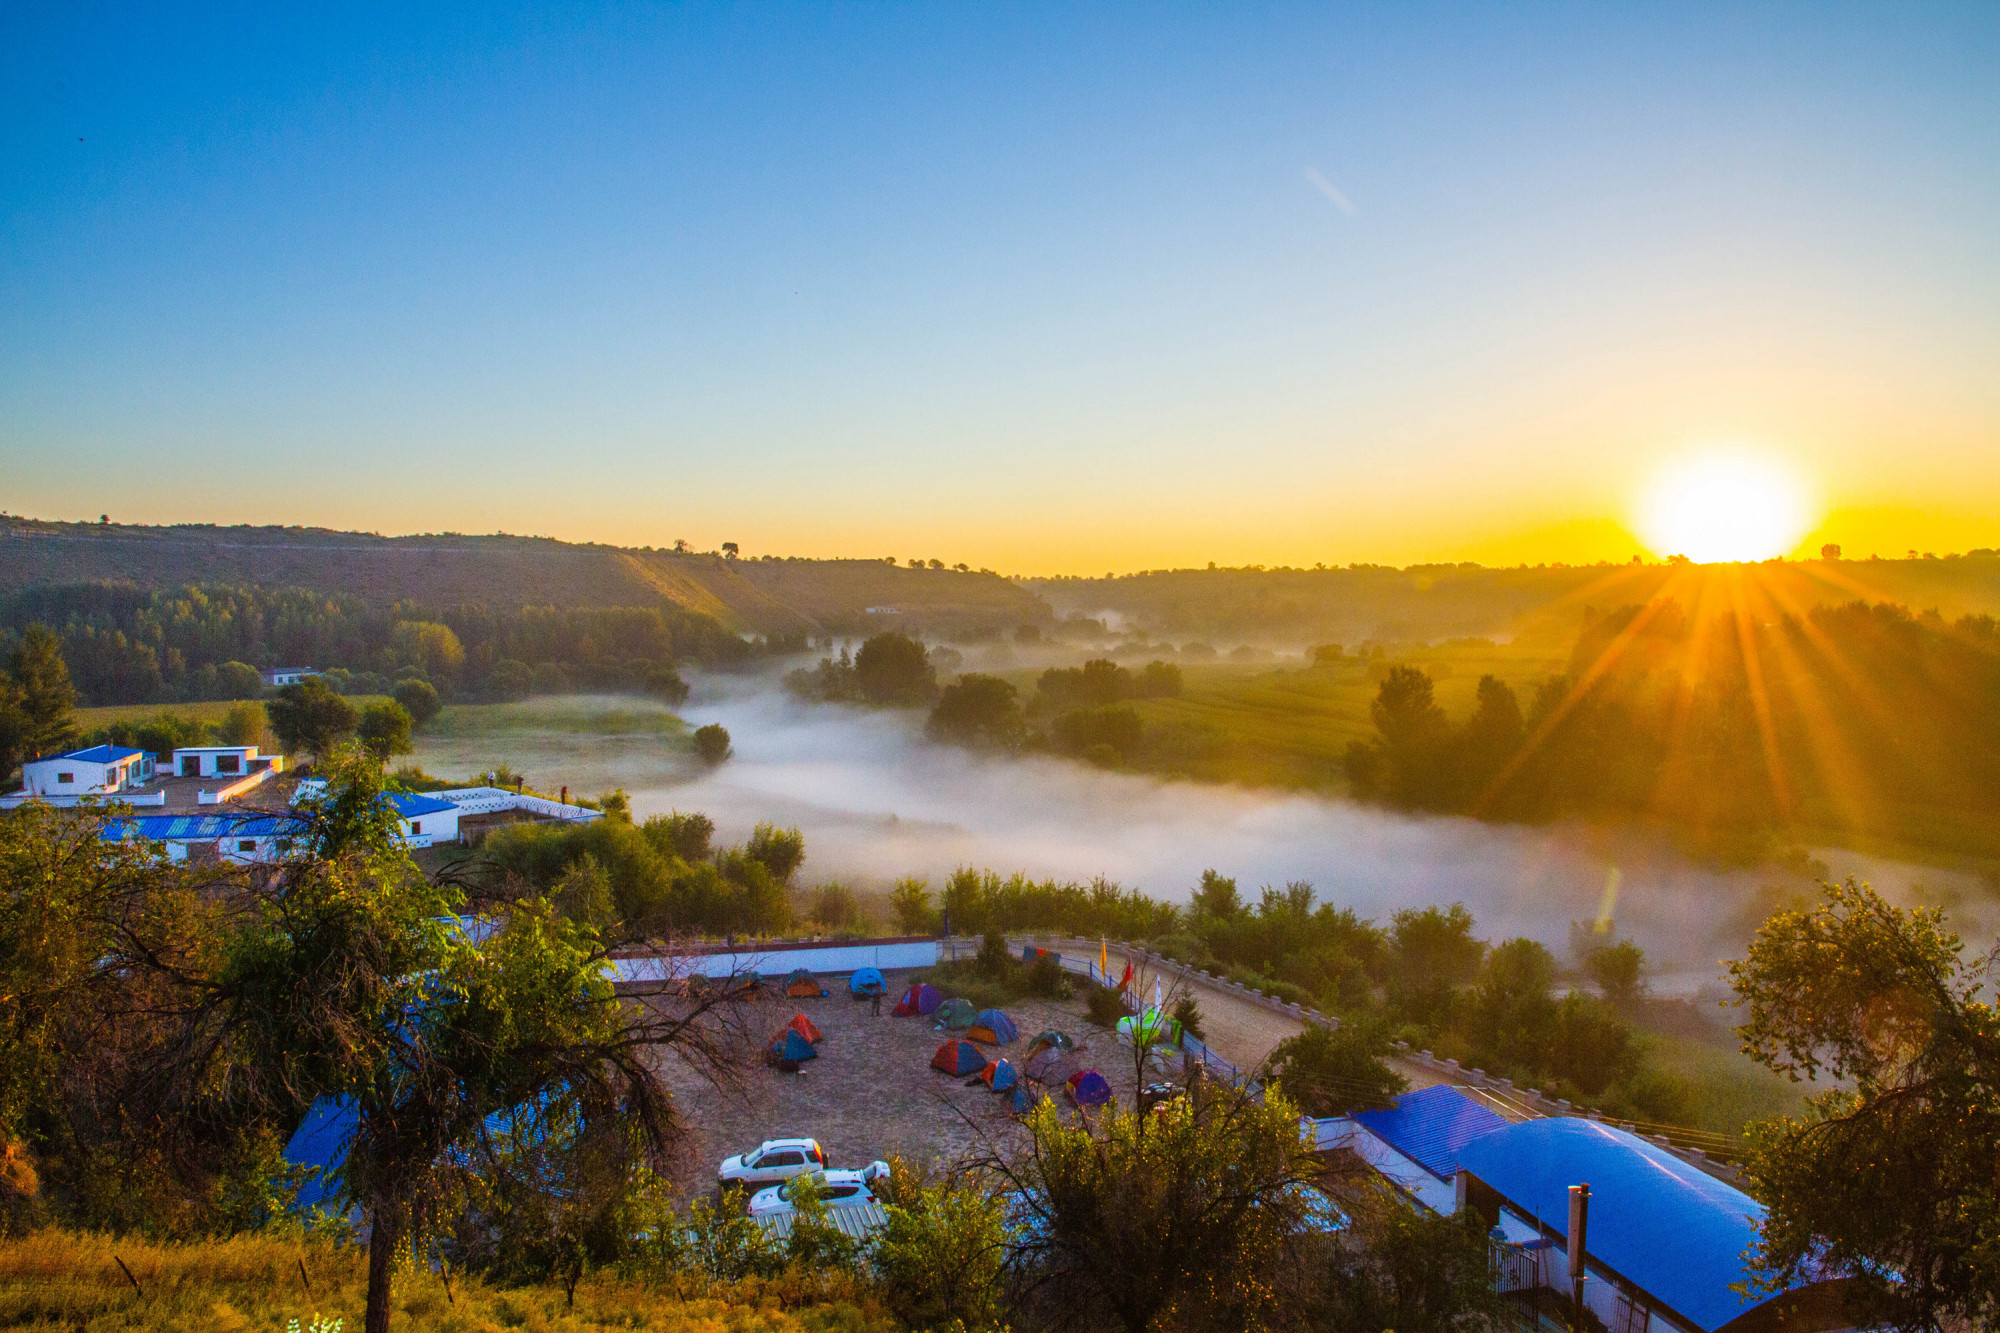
(766, 596)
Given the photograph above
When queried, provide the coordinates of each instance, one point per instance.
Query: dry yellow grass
(63, 1280)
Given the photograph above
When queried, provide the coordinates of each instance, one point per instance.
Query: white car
(839, 1189)
(775, 1160)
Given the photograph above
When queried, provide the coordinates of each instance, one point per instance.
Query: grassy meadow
(56, 1280)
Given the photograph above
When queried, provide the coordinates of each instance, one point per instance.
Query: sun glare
(1722, 507)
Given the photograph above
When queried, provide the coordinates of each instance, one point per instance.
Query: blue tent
(789, 1048)
(999, 1076)
(959, 1057)
(994, 1028)
(867, 981)
(1087, 1087)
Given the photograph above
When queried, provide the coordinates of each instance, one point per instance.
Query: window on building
(416, 826)
(246, 844)
(227, 763)
(65, 778)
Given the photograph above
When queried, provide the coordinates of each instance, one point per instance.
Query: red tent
(804, 1027)
(923, 998)
(959, 1057)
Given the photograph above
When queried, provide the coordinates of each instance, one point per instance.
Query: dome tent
(999, 1076)
(922, 998)
(1151, 1028)
(954, 1016)
(789, 1049)
(1087, 1087)
(801, 986)
(1050, 1040)
(804, 1027)
(959, 1057)
(865, 982)
(1050, 1065)
(994, 1028)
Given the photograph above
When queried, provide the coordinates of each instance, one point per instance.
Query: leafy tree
(1411, 1270)
(309, 718)
(238, 680)
(688, 836)
(244, 724)
(1512, 1013)
(663, 682)
(46, 698)
(1334, 1071)
(1434, 953)
(1188, 1216)
(893, 668)
(1888, 1177)
(780, 851)
(1216, 897)
(510, 681)
(1159, 680)
(941, 1256)
(385, 730)
(711, 742)
(835, 906)
(978, 710)
(14, 728)
(1117, 728)
(419, 698)
(1619, 971)
(432, 648)
(911, 902)
(351, 983)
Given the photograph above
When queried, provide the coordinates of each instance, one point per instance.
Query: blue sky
(1037, 287)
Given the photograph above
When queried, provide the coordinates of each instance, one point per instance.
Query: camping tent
(1050, 1039)
(959, 1057)
(801, 986)
(999, 1076)
(1087, 1087)
(954, 1015)
(1030, 953)
(1050, 1065)
(923, 998)
(1025, 1098)
(804, 1027)
(789, 1047)
(1151, 1028)
(866, 981)
(994, 1028)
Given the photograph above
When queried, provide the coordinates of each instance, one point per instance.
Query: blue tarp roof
(1669, 1228)
(321, 1141)
(1429, 1127)
(99, 754)
(415, 805)
(163, 828)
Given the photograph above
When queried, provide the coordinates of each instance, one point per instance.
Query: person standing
(875, 1002)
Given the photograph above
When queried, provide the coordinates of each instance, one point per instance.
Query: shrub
(941, 1255)
(1105, 1006)
(712, 743)
(1334, 1072)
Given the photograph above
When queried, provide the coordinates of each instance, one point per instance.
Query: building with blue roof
(1665, 1242)
(1430, 1126)
(100, 771)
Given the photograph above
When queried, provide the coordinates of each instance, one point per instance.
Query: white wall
(39, 776)
(776, 960)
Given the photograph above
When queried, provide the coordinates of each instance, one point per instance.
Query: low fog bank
(877, 802)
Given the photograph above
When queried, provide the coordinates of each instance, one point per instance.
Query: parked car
(773, 1161)
(839, 1189)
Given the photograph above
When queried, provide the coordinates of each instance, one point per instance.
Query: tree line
(127, 645)
(1858, 717)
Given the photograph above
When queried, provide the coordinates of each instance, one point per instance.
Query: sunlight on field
(588, 742)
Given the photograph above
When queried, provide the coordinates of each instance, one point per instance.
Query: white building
(217, 761)
(278, 677)
(101, 771)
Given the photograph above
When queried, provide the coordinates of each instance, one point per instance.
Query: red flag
(1126, 980)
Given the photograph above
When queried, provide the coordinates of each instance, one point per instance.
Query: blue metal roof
(1429, 1127)
(1673, 1230)
(197, 828)
(99, 754)
(415, 805)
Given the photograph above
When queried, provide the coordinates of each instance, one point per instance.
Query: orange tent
(804, 1027)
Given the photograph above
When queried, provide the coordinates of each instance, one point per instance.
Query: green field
(568, 715)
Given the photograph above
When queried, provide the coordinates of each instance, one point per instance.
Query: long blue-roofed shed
(1665, 1240)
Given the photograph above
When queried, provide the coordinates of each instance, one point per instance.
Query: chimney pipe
(1579, 1229)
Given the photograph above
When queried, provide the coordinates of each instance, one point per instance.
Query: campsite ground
(872, 1092)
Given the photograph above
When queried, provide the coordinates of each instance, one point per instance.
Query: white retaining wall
(779, 957)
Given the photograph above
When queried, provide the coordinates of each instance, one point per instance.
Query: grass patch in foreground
(62, 1280)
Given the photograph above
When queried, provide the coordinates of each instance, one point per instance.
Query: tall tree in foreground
(1187, 1216)
(1888, 1179)
(43, 693)
(353, 982)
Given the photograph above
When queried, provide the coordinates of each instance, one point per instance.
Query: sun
(1724, 506)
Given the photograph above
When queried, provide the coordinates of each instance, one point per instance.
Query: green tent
(955, 1016)
(1151, 1028)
